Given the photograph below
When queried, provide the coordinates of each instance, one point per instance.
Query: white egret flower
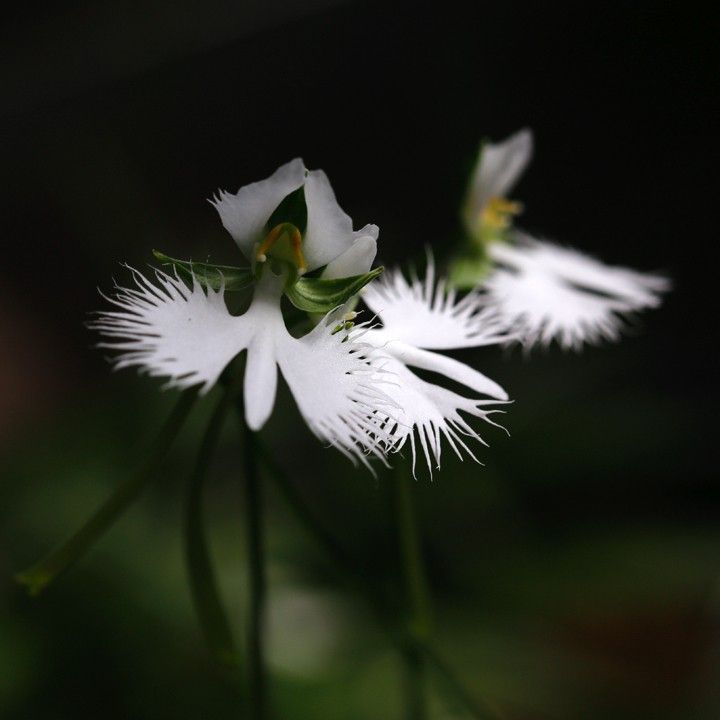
(184, 332)
(419, 318)
(543, 292)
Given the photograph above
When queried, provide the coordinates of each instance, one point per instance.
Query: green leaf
(40, 575)
(209, 275)
(317, 295)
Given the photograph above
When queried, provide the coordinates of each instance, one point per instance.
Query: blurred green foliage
(575, 575)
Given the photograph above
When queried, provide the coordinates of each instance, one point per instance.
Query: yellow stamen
(499, 212)
(296, 242)
(283, 242)
(268, 242)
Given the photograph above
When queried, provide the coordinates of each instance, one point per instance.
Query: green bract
(209, 275)
(312, 295)
(318, 295)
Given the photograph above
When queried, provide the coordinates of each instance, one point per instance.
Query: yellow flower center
(498, 213)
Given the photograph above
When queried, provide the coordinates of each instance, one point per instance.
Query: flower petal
(435, 362)
(545, 292)
(244, 214)
(189, 336)
(428, 413)
(498, 168)
(173, 331)
(329, 230)
(427, 315)
(337, 391)
(356, 260)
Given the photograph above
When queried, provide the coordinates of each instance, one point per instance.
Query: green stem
(455, 686)
(39, 576)
(256, 567)
(201, 575)
(349, 565)
(417, 597)
(354, 574)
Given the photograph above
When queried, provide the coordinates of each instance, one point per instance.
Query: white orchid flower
(419, 318)
(543, 292)
(184, 332)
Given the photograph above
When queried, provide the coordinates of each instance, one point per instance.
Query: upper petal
(244, 214)
(498, 168)
(329, 230)
(356, 260)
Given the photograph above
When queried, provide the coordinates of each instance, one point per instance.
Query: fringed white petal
(170, 330)
(544, 292)
(340, 395)
(499, 166)
(427, 414)
(245, 213)
(188, 335)
(429, 315)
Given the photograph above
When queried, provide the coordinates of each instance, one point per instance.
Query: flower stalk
(255, 548)
(39, 576)
(201, 575)
(416, 594)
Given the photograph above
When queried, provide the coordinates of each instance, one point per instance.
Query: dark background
(578, 573)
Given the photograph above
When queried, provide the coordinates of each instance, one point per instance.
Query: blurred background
(576, 574)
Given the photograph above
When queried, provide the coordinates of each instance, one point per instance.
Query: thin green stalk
(353, 572)
(40, 575)
(257, 686)
(201, 575)
(455, 686)
(413, 567)
(417, 596)
(349, 565)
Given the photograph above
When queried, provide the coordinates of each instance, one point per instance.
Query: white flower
(544, 292)
(418, 318)
(187, 334)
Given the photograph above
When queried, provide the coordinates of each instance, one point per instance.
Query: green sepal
(468, 271)
(209, 275)
(318, 295)
(292, 209)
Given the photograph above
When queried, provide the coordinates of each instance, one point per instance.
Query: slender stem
(417, 597)
(201, 575)
(353, 572)
(256, 566)
(456, 687)
(416, 587)
(308, 519)
(40, 575)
